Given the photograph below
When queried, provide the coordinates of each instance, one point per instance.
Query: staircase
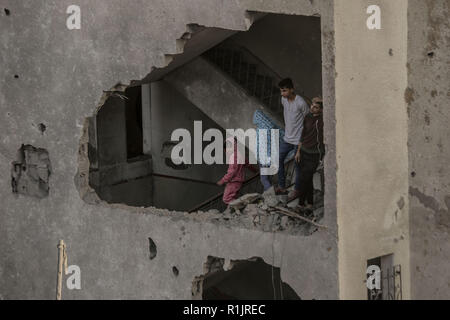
(256, 78)
(233, 73)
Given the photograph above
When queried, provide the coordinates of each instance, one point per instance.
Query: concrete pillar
(371, 142)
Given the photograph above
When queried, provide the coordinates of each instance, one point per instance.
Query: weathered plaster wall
(428, 98)
(62, 75)
(371, 136)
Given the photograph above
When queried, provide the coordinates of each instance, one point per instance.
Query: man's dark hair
(286, 84)
(319, 101)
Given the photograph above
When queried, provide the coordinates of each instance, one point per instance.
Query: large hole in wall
(220, 79)
(251, 279)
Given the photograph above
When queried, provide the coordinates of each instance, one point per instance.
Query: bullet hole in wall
(152, 248)
(401, 203)
(16, 76)
(30, 172)
(175, 271)
(391, 52)
(7, 12)
(430, 54)
(42, 127)
(413, 174)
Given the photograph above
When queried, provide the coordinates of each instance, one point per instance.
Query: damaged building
(85, 149)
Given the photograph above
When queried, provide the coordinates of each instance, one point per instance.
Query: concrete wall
(134, 192)
(120, 180)
(371, 142)
(62, 74)
(115, 179)
(428, 99)
(171, 111)
(291, 46)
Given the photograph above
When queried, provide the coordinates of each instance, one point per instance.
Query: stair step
(232, 61)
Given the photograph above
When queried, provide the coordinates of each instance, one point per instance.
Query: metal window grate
(391, 285)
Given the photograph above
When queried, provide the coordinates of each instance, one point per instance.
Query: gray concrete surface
(61, 76)
(428, 98)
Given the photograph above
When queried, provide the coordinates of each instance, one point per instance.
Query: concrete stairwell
(218, 95)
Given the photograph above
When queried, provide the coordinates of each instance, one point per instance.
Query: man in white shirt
(295, 109)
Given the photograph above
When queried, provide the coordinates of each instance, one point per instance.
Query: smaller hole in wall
(413, 174)
(175, 271)
(16, 76)
(7, 12)
(152, 248)
(430, 54)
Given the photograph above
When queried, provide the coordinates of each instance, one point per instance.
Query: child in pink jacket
(235, 176)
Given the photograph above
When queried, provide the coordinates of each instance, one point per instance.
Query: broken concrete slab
(243, 201)
(270, 198)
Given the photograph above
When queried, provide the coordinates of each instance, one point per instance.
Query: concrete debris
(262, 212)
(299, 216)
(284, 222)
(243, 201)
(270, 199)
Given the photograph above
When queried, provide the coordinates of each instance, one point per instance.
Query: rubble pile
(271, 213)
